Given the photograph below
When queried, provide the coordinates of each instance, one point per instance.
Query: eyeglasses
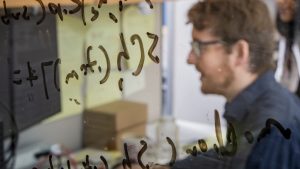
(198, 46)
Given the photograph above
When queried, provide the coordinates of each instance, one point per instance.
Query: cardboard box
(105, 125)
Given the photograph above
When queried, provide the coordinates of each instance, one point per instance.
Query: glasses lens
(196, 48)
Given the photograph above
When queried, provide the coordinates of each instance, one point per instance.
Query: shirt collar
(237, 109)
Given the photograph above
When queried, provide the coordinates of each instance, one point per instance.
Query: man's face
(213, 64)
(286, 9)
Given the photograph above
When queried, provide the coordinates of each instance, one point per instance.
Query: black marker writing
(75, 100)
(50, 161)
(18, 81)
(231, 142)
(5, 18)
(174, 153)
(149, 3)
(120, 5)
(104, 162)
(107, 63)
(113, 17)
(218, 129)
(16, 16)
(89, 64)
(43, 64)
(56, 10)
(86, 164)
(58, 61)
(232, 138)
(44, 12)
(71, 75)
(286, 133)
(155, 59)
(101, 2)
(202, 145)
(221, 149)
(126, 161)
(24, 15)
(140, 153)
(65, 11)
(192, 152)
(120, 84)
(122, 54)
(95, 14)
(31, 75)
(141, 63)
(80, 6)
(68, 164)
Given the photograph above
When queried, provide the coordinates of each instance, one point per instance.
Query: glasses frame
(198, 46)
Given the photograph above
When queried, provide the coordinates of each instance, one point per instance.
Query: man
(232, 50)
(288, 60)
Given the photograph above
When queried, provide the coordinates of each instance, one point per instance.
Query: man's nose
(191, 58)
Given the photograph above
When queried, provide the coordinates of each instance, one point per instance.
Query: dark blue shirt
(263, 101)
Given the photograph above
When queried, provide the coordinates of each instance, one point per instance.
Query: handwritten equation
(221, 150)
(126, 162)
(231, 138)
(32, 76)
(57, 9)
(89, 66)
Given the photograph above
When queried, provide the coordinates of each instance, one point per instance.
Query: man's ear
(241, 51)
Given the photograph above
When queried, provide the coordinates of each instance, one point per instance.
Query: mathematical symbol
(31, 76)
(19, 81)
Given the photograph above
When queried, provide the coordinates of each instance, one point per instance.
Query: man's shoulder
(275, 103)
(277, 99)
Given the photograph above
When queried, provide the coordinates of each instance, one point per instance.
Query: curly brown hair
(234, 20)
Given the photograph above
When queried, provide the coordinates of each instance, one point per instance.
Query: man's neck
(240, 83)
